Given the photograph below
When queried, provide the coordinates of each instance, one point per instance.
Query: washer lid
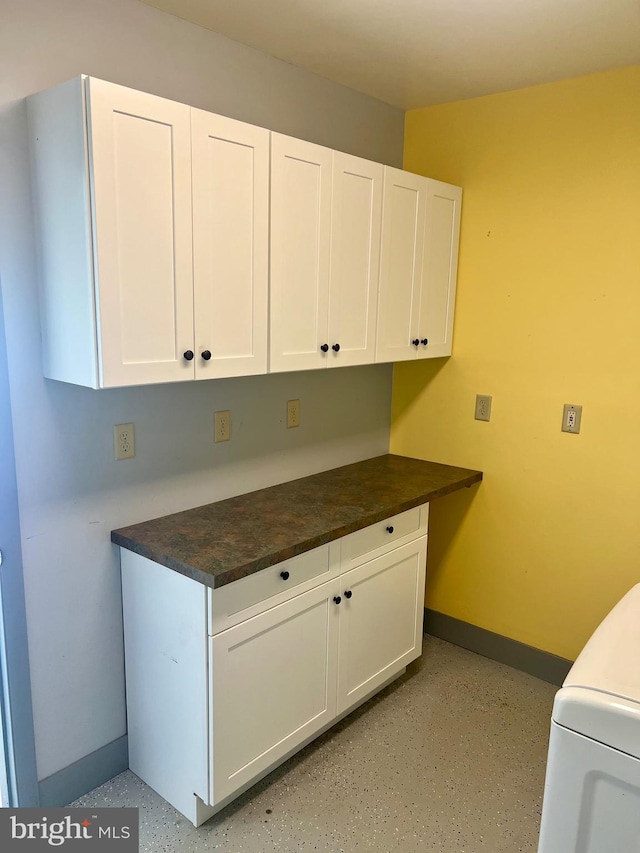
(602, 717)
(609, 661)
(600, 697)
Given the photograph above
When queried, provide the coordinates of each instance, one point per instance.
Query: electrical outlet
(293, 413)
(483, 407)
(124, 441)
(571, 418)
(222, 426)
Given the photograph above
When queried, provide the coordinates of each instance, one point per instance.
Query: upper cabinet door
(403, 221)
(300, 239)
(230, 165)
(439, 270)
(356, 214)
(140, 161)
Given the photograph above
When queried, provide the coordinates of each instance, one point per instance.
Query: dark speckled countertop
(227, 540)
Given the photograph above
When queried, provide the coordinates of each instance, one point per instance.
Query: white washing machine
(592, 788)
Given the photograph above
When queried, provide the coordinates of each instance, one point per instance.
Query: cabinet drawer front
(379, 538)
(249, 596)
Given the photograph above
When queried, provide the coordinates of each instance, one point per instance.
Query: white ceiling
(412, 53)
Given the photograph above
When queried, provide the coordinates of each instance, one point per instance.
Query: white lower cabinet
(273, 685)
(381, 612)
(212, 709)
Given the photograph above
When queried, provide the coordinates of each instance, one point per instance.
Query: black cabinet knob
(347, 593)
(424, 341)
(325, 347)
(390, 528)
(337, 599)
(416, 342)
(284, 576)
(188, 355)
(206, 354)
(336, 347)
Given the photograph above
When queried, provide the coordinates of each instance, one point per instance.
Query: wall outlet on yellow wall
(483, 407)
(571, 418)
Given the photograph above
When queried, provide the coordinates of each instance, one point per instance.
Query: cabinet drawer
(379, 538)
(242, 599)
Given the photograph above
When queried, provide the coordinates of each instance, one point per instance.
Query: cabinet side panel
(60, 181)
(166, 677)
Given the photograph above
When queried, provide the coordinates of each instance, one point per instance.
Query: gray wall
(18, 782)
(71, 491)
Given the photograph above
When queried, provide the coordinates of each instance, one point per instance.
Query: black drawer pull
(347, 593)
(337, 599)
(390, 528)
(284, 576)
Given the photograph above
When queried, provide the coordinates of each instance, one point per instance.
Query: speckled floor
(450, 758)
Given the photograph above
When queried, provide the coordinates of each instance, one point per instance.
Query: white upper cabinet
(134, 290)
(230, 245)
(439, 267)
(356, 212)
(420, 233)
(325, 251)
(301, 175)
(139, 151)
(112, 183)
(175, 244)
(404, 211)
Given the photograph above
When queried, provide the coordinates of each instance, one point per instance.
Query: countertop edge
(222, 578)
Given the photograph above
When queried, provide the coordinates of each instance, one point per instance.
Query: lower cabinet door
(381, 616)
(272, 685)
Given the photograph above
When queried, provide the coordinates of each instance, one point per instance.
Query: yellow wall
(547, 312)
